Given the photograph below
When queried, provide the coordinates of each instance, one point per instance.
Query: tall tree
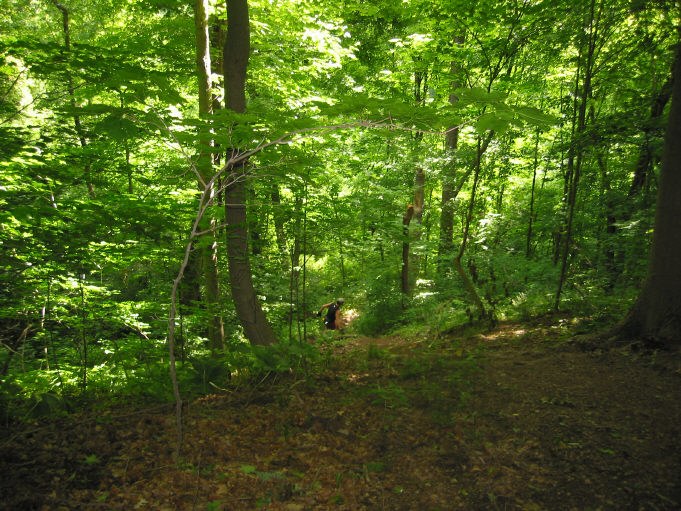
(71, 90)
(208, 251)
(576, 152)
(449, 189)
(657, 312)
(235, 60)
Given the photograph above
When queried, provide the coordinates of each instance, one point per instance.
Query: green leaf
(492, 122)
(536, 117)
(479, 95)
(118, 127)
(248, 469)
(91, 459)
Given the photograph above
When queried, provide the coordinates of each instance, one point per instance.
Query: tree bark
(235, 58)
(656, 314)
(204, 165)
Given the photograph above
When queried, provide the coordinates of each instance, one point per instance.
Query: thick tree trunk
(250, 314)
(248, 309)
(657, 312)
(236, 53)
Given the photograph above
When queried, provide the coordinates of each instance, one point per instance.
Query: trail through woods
(509, 419)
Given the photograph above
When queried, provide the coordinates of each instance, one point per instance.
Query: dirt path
(571, 430)
(507, 420)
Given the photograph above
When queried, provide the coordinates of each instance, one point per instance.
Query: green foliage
(389, 396)
(210, 373)
(383, 309)
(284, 357)
(97, 192)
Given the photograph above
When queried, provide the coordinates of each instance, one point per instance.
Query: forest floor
(514, 418)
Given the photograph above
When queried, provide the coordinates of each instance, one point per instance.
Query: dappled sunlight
(348, 317)
(497, 334)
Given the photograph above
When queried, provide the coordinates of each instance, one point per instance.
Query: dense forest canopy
(433, 162)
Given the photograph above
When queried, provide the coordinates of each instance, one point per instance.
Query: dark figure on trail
(333, 320)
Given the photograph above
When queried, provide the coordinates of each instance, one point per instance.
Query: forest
(491, 189)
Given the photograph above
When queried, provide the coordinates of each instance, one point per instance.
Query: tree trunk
(341, 243)
(576, 151)
(646, 157)
(535, 163)
(406, 220)
(609, 205)
(280, 234)
(458, 260)
(248, 309)
(657, 312)
(208, 251)
(72, 98)
(446, 245)
(295, 254)
(411, 261)
(415, 231)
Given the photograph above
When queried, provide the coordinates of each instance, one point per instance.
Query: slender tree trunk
(72, 97)
(126, 148)
(279, 232)
(83, 320)
(449, 193)
(646, 155)
(295, 253)
(576, 156)
(337, 232)
(256, 227)
(415, 231)
(406, 220)
(608, 250)
(458, 260)
(128, 167)
(301, 317)
(208, 252)
(530, 222)
(236, 53)
(411, 261)
(172, 317)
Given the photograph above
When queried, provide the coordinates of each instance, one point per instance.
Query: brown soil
(511, 419)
